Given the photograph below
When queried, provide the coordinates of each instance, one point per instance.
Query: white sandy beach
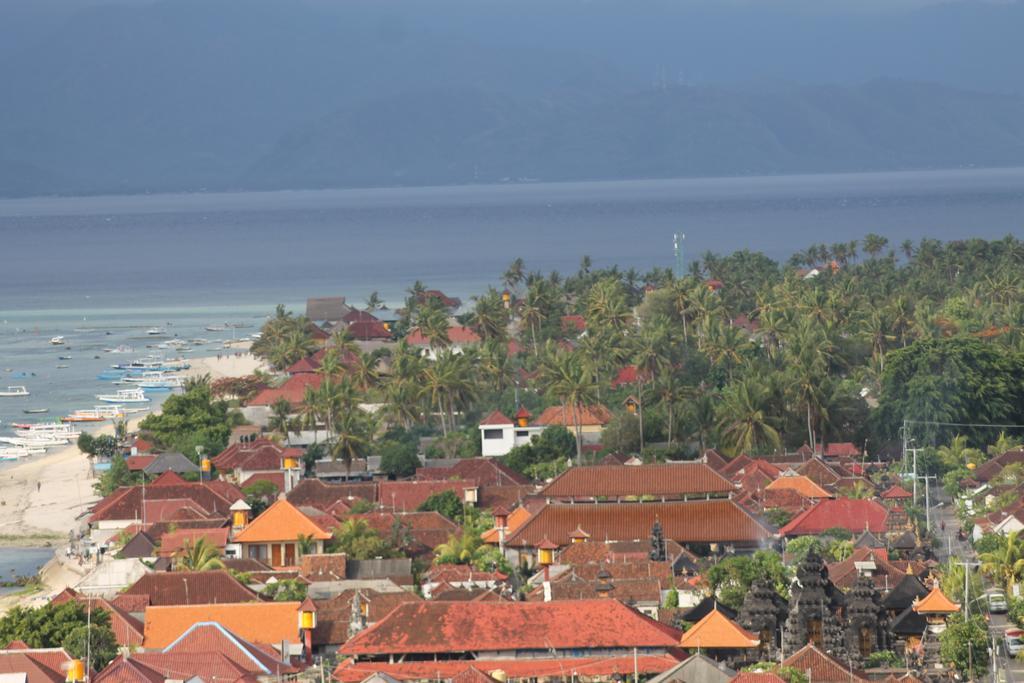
(46, 497)
(234, 362)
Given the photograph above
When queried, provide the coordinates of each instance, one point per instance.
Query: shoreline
(46, 498)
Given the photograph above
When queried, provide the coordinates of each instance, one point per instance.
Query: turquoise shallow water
(27, 358)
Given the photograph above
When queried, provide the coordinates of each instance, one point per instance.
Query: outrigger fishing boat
(124, 396)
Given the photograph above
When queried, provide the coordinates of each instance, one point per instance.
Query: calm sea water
(171, 251)
(21, 562)
(101, 270)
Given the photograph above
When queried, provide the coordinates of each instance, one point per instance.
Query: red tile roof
(619, 481)
(137, 463)
(573, 322)
(589, 416)
(801, 484)
(127, 629)
(367, 330)
(757, 677)
(207, 637)
(126, 502)
(293, 390)
(626, 375)
(349, 671)
(275, 478)
(41, 665)
(440, 627)
(267, 623)
(895, 492)
(456, 335)
(484, 471)
(189, 588)
(685, 522)
(316, 493)
(495, 418)
(717, 631)
(823, 668)
(334, 615)
(407, 496)
(355, 315)
(168, 478)
(174, 542)
(282, 521)
(843, 449)
(855, 515)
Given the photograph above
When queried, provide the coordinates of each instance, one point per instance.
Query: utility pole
(927, 501)
(967, 585)
(913, 451)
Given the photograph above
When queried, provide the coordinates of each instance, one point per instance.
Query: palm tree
(606, 306)
(433, 322)
(199, 556)
(306, 544)
(742, 422)
(489, 318)
(203, 381)
(1006, 563)
(874, 244)
(514, 274)
(374, 302)
(281, 419)
(310, 413)
(363, 371)
(670, 394)
(648, 359)
(331, 365)
(569, 380)
(351, 434)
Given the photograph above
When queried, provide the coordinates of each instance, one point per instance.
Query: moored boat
(124, 396)
(12, 392)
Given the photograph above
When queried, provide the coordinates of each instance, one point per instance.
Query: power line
(963, 424)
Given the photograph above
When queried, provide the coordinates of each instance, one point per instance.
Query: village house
(277, 535)
(621, 483)
(716, 524)
(499, 434)
(429, 640)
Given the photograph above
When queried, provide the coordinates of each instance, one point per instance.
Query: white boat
(34, 442)
(152, 377)
(156, 331)
(171, 382)
(120, 349)
(124, 396)
(14, 391)
(48, 431)
(14, 453)
(57, 341)
(97, 414)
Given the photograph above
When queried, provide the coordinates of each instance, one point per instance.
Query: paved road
(1007, 669)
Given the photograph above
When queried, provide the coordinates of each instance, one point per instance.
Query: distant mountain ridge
(181, 95)
(459, 136)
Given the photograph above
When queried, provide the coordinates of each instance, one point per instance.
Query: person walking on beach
(39, 485)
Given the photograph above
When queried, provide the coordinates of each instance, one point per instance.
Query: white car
(997, 603)
(1014, 639)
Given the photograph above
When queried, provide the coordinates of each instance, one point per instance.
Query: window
(522, 433)
(494, 433)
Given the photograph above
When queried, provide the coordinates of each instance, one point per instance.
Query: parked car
(997, 603)
(1014, 639)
